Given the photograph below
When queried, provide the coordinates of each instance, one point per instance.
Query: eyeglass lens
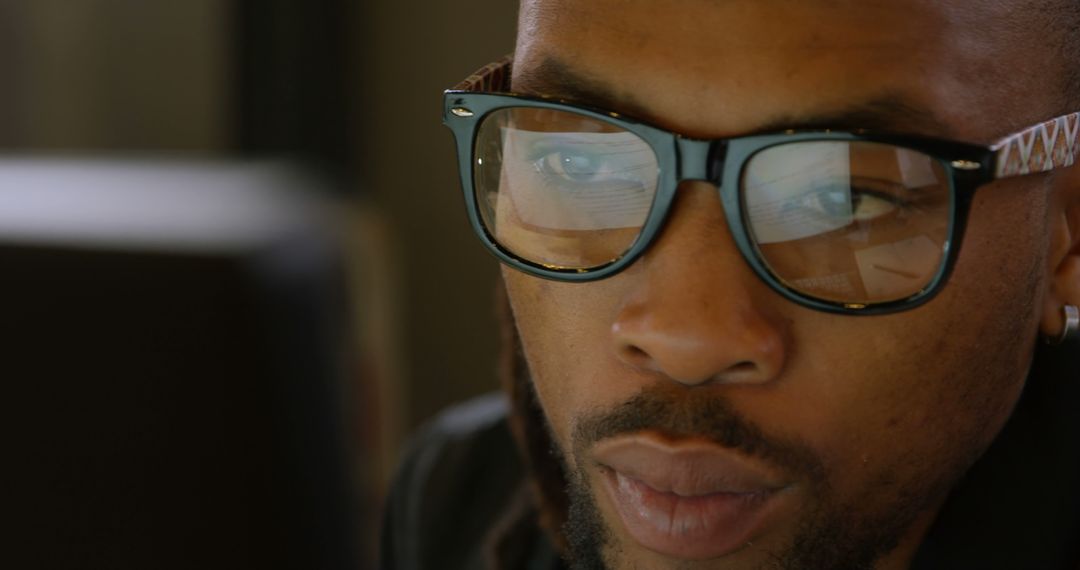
(850, 222)
(561, 189)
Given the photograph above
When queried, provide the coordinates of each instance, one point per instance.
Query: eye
(872, 198)
(866, 206)
(858, 201)
(858, 204)
(576, 167)
(835, 203)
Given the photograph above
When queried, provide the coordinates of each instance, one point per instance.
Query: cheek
(935, 385)
(566, 337)
(895, 418)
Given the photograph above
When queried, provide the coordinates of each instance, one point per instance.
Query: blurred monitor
(173, 360)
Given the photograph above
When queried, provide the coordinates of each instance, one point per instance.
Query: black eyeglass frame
(721, 162)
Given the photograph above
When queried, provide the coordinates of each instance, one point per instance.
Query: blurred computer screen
(175, 364)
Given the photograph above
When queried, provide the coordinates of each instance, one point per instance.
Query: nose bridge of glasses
(701, 159)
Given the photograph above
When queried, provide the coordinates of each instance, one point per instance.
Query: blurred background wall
(410, 54)
(101, 75)
(353, 86)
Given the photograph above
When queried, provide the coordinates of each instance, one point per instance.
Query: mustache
(682, 413)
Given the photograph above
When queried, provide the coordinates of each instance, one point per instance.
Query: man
(745, 332)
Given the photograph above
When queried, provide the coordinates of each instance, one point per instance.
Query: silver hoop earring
(1071, 328)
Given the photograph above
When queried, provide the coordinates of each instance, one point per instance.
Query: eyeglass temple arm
(493, 77)
(1041, 148)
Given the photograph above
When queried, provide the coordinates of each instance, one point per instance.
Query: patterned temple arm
(1042, 148)
(493, 77)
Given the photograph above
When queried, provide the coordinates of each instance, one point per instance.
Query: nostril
(635, 355)
(634, 352)
(743, 367)
(673, 336)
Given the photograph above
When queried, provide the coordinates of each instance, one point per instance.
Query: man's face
(706, 422)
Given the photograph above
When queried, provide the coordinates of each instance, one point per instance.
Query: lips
(689, 499)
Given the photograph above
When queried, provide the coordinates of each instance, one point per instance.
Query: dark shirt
(461, 501)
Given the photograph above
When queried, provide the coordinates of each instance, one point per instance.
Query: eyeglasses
(846, 222)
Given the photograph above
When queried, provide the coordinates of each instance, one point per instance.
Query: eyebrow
(887, 111)
(554, 77)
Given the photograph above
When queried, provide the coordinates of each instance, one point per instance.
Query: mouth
(687, 499)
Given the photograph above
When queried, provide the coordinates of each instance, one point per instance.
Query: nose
(694, 311)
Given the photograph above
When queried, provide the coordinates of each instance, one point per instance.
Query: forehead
(723, 67)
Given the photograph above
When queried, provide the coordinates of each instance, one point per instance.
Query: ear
(1063, 287)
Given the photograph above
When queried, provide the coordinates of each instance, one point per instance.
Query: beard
(828, 541)
(833, 531)
(832, 534)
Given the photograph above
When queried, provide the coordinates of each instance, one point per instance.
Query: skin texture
(885, 412)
